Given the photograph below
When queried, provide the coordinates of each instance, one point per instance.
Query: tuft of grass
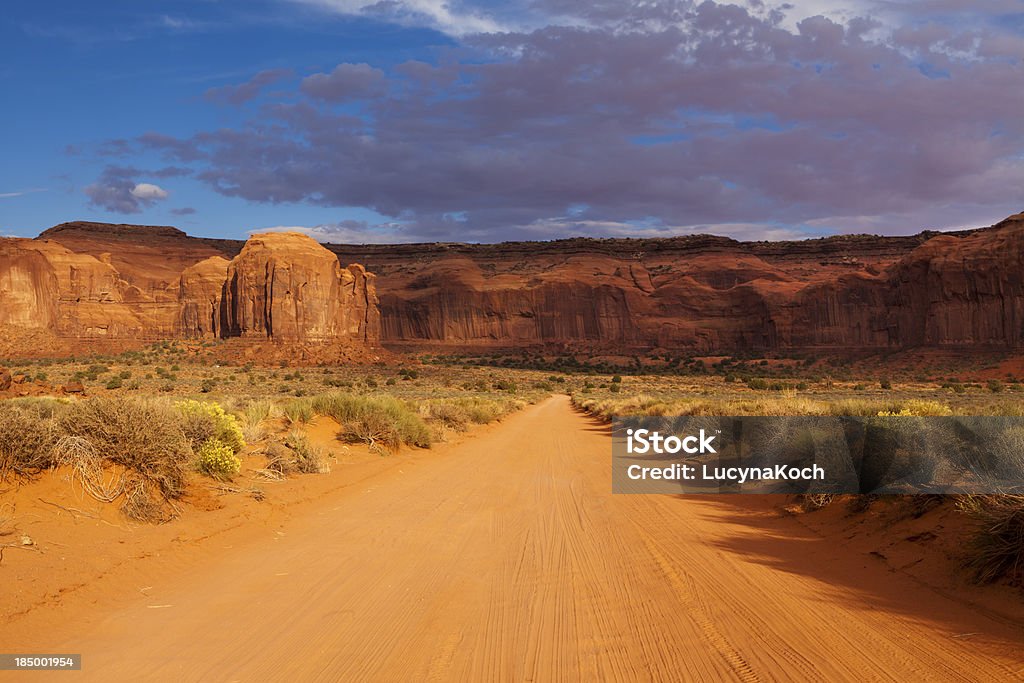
(254, 417)
(997, 548)
(299, 411)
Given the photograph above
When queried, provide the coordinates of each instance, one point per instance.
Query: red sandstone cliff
(695, 293)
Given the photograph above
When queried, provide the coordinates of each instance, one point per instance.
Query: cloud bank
(655, 117)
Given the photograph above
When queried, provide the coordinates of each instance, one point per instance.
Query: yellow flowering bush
(205, 420)
(217, 459)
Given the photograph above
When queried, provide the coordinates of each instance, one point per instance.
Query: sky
(485, 121)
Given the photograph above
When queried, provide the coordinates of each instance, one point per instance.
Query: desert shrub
(144, 436)
(381, 421)
(994, 385)
(299, 411)
(447, 413)
(997, 547)
(205, 420)
(217, 459)
(923, 408)
(26, 440)
(307, 458)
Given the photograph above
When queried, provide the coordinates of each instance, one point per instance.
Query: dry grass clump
(308, 459)
(142, 436)
(295, 454)
(143, 501)
(997, 548)
(81, 457)
(26, 440)
(786, 403)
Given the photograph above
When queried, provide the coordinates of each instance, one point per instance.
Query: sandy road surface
(506, 558)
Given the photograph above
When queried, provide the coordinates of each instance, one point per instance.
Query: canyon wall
(696, 293)
(709, 294)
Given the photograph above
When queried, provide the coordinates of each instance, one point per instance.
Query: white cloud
(345, 232)
(21, 193)
(436, 14)
(148, 191)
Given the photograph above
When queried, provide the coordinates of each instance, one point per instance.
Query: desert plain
(274, 461)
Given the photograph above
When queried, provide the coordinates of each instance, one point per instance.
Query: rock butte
(281, 287)
(698, 293)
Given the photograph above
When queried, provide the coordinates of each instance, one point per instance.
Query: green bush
(217, 459)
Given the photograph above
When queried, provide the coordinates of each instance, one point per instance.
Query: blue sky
(82, 74)
(478, 121)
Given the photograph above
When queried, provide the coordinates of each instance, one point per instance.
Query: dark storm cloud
(650, 116)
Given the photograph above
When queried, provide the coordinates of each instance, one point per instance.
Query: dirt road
(506, 558)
